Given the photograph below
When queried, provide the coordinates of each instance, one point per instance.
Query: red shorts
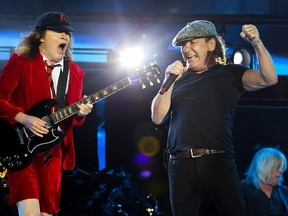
(39, 180)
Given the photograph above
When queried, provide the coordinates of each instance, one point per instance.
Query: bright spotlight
(239, 56)
(131, 57)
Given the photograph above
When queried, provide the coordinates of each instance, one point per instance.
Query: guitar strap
(62, 83)
(61, 100)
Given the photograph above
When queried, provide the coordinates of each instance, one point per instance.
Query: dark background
(261, 118)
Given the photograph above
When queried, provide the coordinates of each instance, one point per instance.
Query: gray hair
(263, 162)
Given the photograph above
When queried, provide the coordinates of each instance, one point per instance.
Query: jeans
(214, 176)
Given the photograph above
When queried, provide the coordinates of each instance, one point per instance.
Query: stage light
(145, 174)
(133, 51)
(141, 159)
(149, 145)
(239, 56)
(131, 56)
(128, 55)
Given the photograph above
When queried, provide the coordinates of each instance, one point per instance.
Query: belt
(194, 153)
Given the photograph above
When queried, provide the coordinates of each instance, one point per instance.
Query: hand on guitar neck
(40, 127)
(84, 108)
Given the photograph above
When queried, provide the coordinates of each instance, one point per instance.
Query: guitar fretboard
(72, 109)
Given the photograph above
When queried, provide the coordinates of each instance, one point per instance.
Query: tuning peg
(143, 86)
(158, 80)
(151, 83)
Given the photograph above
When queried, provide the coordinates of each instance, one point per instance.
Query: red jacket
(24, 82)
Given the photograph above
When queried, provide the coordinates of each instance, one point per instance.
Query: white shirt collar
(60, 62)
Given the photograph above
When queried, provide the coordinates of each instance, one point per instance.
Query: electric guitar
(22, 145)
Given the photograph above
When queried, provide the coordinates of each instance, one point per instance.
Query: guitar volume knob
(7, 158)
(10, 164)
(18, 163)
(16, 156)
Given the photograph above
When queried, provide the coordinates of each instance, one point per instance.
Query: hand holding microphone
(172, 77)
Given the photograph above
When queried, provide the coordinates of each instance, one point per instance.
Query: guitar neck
(72, 109)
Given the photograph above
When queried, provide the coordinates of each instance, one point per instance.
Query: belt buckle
(194, 156)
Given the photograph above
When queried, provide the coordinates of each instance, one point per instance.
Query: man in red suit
(36, 188)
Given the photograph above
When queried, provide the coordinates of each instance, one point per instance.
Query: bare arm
(161, 103)
(160, 106)
(266, 76)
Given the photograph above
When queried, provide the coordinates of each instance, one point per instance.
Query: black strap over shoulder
(62, 83)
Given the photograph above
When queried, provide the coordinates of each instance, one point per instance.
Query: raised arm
(161, 102)
(266, 75)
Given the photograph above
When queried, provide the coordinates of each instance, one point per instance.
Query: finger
(84, 109)
(41, 129)
(37, 133)
(89, 105)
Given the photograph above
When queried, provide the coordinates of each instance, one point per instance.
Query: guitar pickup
(19, 136)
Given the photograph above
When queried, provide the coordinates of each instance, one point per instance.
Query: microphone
(172, 77)
(168, 83)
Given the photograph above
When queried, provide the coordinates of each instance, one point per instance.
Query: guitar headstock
(146, 75)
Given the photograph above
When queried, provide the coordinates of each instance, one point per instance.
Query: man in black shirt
(201, 104)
